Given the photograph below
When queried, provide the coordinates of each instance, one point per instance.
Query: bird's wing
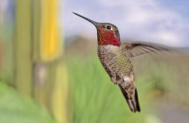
(133, 49)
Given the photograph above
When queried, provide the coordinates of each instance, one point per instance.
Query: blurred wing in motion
(133, 49)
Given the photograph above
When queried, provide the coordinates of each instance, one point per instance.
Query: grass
(97, 100)
(16, 109)
(168, 76)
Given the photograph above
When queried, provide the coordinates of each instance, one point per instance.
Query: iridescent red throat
(106, 37)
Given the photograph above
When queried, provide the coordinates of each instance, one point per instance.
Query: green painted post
(22, 48)
(40, 71)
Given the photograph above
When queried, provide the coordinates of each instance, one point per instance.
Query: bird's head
(107, 33)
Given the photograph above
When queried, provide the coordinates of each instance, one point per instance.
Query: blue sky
(161, 21)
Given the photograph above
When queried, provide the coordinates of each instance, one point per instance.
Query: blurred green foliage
(97, 100)
(167, 77)
(16, 109)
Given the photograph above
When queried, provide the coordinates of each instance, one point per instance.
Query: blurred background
(50, 72)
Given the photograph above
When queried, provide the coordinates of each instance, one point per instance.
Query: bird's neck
(108, 39)
(104, 49)
(110, 42)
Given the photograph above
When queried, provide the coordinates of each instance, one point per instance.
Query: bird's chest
(112, 59)
(107, 52)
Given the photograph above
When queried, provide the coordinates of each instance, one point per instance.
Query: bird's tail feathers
(133, 102)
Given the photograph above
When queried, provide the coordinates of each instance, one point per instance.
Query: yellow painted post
(60, 105)
(40, 71)
(50, 40)
(50, 74)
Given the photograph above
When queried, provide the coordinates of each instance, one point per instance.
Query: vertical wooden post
(39, 69)
(22, 48)
(50, 91)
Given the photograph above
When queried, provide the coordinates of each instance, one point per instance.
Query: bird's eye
(108, 27)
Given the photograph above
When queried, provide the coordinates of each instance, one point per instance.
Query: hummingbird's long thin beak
(93, 22)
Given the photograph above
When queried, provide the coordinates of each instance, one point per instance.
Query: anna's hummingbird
(115, 58)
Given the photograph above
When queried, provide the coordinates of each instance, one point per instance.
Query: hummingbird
(115, 56)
